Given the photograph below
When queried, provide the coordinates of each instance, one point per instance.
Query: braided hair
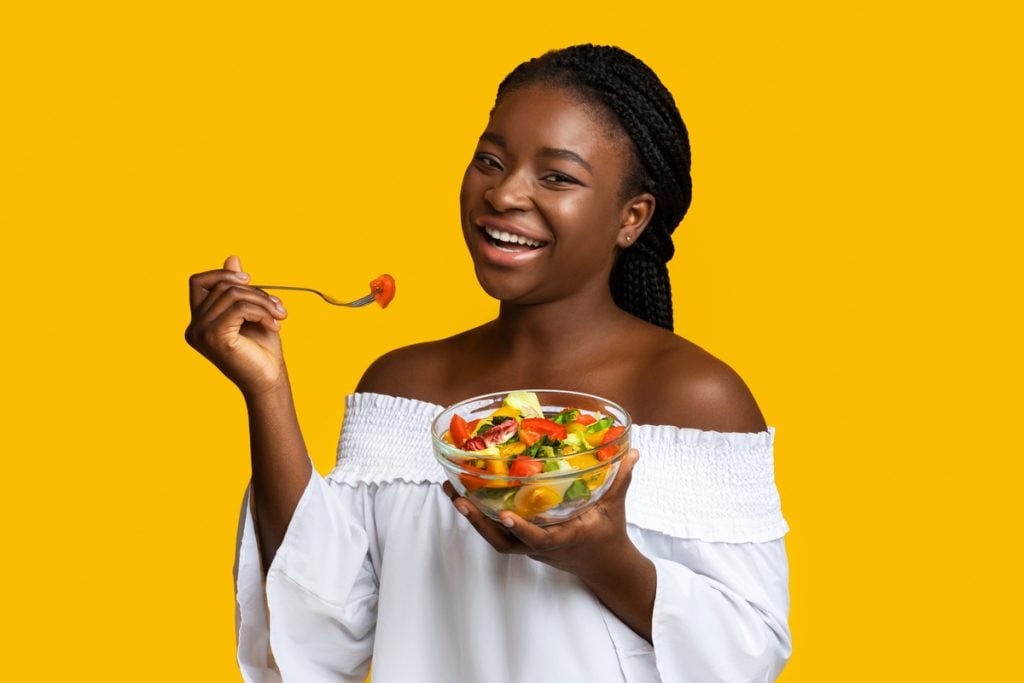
(632, 93)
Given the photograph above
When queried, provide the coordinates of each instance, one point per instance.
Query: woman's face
(542, 204)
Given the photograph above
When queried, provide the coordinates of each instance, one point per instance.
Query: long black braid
(644, 108)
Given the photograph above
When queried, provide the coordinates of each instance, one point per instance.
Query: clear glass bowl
(543, 498)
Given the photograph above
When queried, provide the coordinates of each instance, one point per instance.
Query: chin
(505, 287)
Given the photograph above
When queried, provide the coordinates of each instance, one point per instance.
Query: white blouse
(378, 563)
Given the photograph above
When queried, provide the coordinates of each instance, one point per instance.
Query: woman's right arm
(236, 328)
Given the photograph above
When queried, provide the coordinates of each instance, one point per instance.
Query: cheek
(591, 220)
(471, 191)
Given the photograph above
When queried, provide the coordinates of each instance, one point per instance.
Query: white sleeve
(721, 611)
(312, 617)
(704, 508)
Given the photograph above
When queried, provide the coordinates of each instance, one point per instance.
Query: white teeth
(503, 236)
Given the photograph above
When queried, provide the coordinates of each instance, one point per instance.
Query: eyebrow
(548, 152)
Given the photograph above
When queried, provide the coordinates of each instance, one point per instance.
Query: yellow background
(851, 251)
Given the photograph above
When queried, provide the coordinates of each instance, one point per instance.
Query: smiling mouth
(506, 241)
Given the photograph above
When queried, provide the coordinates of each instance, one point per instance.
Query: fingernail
(242, 276)
(275, 299)
(463, 510)
(280, 307)
(507, 521)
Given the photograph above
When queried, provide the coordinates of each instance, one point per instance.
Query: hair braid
(646, 111)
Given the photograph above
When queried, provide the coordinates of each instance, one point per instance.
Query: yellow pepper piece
(513, 449)
(531, 500)
(594, 440)
(505, 411)
(582, 462)
(499, 467)
(577, 429)
(496, 467)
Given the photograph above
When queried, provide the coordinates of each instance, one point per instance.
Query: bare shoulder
(420, 371)
(685, 386)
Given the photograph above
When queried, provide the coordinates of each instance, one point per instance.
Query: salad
(506, 457)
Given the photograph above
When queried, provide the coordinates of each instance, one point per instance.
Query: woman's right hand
(236, 327)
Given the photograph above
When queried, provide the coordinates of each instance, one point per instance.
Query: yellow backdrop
(849, 252)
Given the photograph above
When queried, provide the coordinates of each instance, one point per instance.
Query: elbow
(762, 655)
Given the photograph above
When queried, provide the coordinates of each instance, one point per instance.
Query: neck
(563, 331)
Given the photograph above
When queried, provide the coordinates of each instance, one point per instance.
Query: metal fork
(362, 301)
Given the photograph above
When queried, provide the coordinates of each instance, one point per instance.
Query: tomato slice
(459, 431)
(469, 481)
(608, 452)
(525, 466)
(384, 289)
(542, 426)
(586, 420)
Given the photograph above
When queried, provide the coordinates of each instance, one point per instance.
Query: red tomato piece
(459, 431)
(586, 420)
(528, 436)
(470, 482)
(384, 289)
(525, 466)
(608, 452)
(542, 426)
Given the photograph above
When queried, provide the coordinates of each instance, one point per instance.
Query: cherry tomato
(384, 289)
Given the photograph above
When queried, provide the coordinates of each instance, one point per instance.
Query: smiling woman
(567, 209)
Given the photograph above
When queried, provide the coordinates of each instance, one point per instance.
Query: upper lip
(511, 228)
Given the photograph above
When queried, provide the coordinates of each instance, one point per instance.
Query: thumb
(233, 263)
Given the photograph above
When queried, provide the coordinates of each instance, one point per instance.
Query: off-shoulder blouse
(377, 563)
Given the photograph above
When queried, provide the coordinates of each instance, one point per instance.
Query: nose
(510, 192)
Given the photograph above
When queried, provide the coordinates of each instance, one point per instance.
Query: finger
(224, 293)
(535, 538)
(233, 263)
(230, 322)
(200, 284)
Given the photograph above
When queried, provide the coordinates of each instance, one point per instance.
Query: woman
(567, 206)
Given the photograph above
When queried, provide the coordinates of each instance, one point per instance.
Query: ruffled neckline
(688, 483)
(654, 432)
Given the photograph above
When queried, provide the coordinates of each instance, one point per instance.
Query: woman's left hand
(586, 545)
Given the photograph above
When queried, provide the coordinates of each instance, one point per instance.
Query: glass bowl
(568, 484)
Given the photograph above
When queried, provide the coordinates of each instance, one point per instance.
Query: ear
(636, 214)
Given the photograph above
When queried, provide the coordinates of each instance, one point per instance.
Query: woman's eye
(488, 161)
(559, 178)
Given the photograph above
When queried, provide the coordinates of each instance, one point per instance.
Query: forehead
(541, 116)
